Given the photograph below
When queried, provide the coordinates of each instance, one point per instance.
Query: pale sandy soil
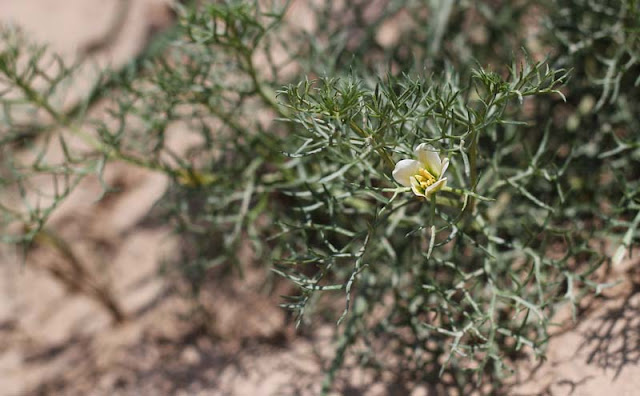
(56, 342)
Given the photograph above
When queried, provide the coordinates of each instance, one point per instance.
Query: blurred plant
(601, 42)
(446, 287)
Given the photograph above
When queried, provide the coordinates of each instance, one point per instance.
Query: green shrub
(533, 104)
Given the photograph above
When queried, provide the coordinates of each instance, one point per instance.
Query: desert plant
(323, 147)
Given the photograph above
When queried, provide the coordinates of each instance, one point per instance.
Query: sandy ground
(75, 348)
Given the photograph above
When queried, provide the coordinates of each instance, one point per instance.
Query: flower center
(423, 179)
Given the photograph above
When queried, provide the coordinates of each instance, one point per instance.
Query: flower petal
(430, 158)
(404, 170)
(415, 187)
(445, 165)
(435, 187)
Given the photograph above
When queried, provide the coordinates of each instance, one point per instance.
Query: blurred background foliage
(299, 112)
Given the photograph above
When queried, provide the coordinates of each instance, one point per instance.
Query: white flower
(424, 175)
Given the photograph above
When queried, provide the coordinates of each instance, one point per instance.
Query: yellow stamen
(426, 174)
(423, 179)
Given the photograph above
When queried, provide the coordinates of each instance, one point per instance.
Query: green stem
(113, 154)
(383, 153)
(473, 172)
(260, 88)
